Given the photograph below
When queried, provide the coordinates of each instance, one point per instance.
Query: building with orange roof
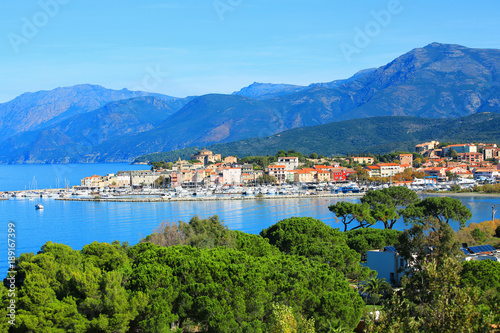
(206, 156)
(322, 167)
(491, 152)
(389, 169)
(486, 172)
(423, 147)
(460, 148)
(456, 169)
(303, 176)
(231, 176)
(340, 174)
(373, 170)
(436, 171)
(405, 159)
(278, 172)
(322, 176)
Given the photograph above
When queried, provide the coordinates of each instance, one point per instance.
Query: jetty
(217, 198)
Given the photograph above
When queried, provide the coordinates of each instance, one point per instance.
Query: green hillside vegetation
(377, 135)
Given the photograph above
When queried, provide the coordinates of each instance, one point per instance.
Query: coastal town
(431, 162)
(433, 166)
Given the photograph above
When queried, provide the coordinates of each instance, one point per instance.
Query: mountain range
(88, 123)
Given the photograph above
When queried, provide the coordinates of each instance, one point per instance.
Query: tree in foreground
(444, 209)
(362, 240)
(375, 289)
(353, 215)
(433, 298)
(387, 204)
(283, 320)
(316, 241)
(217, 286)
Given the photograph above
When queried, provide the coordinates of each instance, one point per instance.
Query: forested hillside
(377, 135)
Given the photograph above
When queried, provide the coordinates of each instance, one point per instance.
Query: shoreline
(235, 197)
(460, 194)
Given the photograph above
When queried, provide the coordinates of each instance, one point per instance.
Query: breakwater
(218, 198)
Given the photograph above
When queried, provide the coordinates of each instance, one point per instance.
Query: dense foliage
(202, 278)
(314, 240)
(387, 204)
(443, 209)
(362, 240)
(434, 296)
(485, 276)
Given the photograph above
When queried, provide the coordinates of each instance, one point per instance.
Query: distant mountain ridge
(35, 110)
(261, 91)
(437, 81)
(72, 139)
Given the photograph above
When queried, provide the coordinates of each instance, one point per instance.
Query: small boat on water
(39, 206)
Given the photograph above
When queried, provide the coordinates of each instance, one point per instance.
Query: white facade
(290, 163)
(389, 169)
(231, 176)
(278, 172)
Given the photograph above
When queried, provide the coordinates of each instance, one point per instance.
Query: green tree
(444, 209)
(266, 179)
(448, 306)
(313, 156)
(202, 233)
(453, 154)
(314, 240)
(387, 204)
(351, 214)
(375, 289)
(283, 320)
(478, 235)
(361, 173)
(431, 251)
(362, 240)
(485, 276)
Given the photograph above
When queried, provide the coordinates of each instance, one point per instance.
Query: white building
(389, 169)
(278, 172)
(231, 176)
(290, 163)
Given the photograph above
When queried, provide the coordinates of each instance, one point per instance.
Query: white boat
(39, 206)
(466, 181)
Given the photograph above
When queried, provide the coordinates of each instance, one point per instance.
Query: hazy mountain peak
(35, 109)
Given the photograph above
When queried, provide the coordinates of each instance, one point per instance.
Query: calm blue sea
(80, 223)
(41, 176)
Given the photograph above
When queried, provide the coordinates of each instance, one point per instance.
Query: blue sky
(194, 47)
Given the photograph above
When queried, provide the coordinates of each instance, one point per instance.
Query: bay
(76, 223)
(17, 177)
